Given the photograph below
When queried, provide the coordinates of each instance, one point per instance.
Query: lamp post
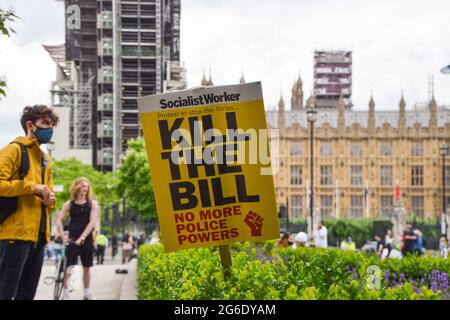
(50, 147)
(311, 115)
(287, 214)
(443, 150)
(446, 70)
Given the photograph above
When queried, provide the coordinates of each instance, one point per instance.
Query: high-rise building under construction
(122, 50)
(332, 78)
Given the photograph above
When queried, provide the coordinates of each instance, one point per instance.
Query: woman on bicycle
(83, 215)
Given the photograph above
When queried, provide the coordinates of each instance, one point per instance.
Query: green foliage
(134, 180)
(412, 267)
(5, 18)
(291, 274)
(103, 184)
(2, 85)
(359, 229)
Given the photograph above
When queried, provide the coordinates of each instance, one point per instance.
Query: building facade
(122, 50)
(359, 157)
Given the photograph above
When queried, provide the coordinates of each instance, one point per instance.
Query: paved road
(105, 283)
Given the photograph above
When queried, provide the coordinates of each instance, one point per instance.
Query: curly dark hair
(37, 112)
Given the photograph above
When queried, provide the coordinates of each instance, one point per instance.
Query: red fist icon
(255, 222)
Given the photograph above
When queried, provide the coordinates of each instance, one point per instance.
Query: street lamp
(287, 214)
(443, 151)
(446, 69)
(311, 116)
(50, 147)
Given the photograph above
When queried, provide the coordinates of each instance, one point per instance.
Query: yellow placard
(210, 165)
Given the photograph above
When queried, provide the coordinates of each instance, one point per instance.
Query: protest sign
(210, 165)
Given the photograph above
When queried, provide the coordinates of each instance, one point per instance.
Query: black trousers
(114, 251)
(100, 254)
(20, 268)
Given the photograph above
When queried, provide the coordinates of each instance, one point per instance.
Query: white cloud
(29, 72)
(395, 44)
(24, 63)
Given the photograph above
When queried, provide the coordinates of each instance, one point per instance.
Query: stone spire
(210, 83)
(242, 79)
(371, 122)
(310, 103)
(402, 116)
(433, 113)
(204, 81)
(341, 116)
(297, 94)
(281, 116)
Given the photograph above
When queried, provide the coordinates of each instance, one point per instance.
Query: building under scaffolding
(72, 101)
(120, 50)
(332, 78)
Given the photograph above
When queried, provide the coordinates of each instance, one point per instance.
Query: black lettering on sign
(242, 190)
(166, 133)
(211, 190)
(204, 193)
(219, 199)
(174, 168)
(178, 196)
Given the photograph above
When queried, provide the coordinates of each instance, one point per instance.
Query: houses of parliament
(360, 157)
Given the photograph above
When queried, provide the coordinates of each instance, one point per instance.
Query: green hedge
(305, 273)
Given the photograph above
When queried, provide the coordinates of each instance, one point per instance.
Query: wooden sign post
(225, 260)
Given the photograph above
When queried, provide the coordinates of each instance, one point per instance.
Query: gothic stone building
(359, 157)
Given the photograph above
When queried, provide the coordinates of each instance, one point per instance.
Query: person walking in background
(102, 243)
(351, 246)
(49, 248)
(380, 245)
(409, 239)
(25, 229)
(284, 240)
(141, 240)
(443, 248)
(127, 248)
(321, 236)
(388, 242)
(114, 245)
(418, 243)
(57, 249)
(343, 245)
(300, 240)
(83, 212)
(155, 238)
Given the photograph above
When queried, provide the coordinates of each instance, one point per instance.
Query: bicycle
(60, 274)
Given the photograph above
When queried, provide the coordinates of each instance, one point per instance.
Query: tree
(134, 180)
(5, 18)
(103, 184)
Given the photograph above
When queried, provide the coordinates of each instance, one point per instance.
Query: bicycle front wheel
(59, 277)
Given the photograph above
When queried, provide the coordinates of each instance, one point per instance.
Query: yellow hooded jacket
(24, 223)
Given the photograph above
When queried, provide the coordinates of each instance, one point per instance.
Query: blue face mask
(44, 135)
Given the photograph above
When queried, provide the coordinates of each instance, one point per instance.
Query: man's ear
(28, 125)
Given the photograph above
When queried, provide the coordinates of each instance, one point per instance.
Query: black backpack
(8, 205)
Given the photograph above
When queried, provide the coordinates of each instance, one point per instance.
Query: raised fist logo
(255, 222)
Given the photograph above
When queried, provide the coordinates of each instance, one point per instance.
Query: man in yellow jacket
(25, 232)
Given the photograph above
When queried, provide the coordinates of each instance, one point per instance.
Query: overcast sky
(396, 45)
